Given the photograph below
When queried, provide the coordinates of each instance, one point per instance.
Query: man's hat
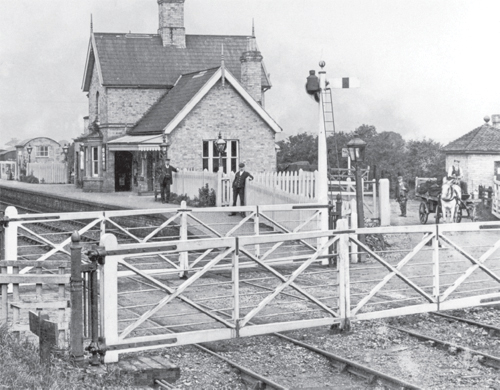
(457, 161)
(400, 177)
(242, 165)
(167, 159)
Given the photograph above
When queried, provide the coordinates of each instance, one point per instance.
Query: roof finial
(253, 28)
(91, 24)
(222, 64)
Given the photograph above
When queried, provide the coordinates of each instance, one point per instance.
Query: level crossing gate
(160, 293)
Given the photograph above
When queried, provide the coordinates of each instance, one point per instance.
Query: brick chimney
(171, 26)
(251, 70)
(495, 121)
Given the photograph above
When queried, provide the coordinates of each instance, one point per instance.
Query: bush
(29, 179)
(206, 198)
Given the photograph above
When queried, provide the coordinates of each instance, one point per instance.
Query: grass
(20, 368)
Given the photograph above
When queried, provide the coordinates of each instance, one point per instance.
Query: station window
(42, 151)
(95, 161)
(229, 157)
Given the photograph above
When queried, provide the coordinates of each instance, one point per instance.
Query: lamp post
(164, 148)
(220, 144)
(29, 150)
(356, 148)
(65, 151)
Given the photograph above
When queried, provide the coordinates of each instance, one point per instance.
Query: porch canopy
(136, 143)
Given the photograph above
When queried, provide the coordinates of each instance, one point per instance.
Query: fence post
(218, 191)
(343, 278)
(108, 289)
(183, 236)
(76, 289)
(385, 207)
(10, 234)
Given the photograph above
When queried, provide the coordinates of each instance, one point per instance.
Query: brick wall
(224, 110)
(95, 87)
(478, 169)
(128, 105)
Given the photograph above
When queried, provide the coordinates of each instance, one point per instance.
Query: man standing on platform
(166, 179)
(239, 186)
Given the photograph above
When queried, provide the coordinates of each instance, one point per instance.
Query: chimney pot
(495, 120)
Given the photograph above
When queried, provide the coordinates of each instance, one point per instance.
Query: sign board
(345, 153)
(47, 332)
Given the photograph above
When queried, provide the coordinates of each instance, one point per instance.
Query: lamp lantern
(82, 147)
(356, 148)
(29, 149)
(220, 144)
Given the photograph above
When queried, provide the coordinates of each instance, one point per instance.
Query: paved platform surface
(220, 221)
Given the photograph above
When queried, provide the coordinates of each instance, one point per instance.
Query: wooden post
(343, 277)
(256, 230)
(435, 265)
(76, 288)
(11, 234)
(183, 236)
(219, 190)
(384, 205)
(236, 286)
(108, 286)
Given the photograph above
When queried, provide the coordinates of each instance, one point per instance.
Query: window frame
(230, 158)
(94, 163)
(39, 153)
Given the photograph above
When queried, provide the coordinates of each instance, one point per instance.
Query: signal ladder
(328, 117)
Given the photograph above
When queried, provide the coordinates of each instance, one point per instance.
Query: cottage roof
(484, 139)
(174, 106)
(142, 60)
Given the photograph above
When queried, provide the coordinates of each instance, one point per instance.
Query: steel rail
(485, 359)
(490, 328)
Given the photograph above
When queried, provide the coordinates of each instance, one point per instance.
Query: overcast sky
(428, 68)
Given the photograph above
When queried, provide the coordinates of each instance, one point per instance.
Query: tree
(300, 147)
(425, 158)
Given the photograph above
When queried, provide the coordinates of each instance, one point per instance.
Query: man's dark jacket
(166, 175)
(241, 182)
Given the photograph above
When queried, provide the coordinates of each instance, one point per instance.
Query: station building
(184, 89)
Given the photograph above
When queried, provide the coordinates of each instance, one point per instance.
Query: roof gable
(485, 138)
(142, 60)
(172, 108)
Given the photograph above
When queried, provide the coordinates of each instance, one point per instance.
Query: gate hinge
(97, 254)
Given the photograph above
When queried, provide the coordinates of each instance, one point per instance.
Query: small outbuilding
(479, 154)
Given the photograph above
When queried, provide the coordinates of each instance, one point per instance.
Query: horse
(451, 193)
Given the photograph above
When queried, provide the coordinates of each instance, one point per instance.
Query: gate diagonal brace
(97, 254)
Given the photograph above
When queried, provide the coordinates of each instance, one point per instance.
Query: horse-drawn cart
(429, 193)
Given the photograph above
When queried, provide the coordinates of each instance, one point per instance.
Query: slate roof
(165, 110)
(142, 60)
(484, 139)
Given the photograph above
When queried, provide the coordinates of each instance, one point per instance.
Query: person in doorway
(455, 173)
(239, 186)
(402, 195)
(166, 179)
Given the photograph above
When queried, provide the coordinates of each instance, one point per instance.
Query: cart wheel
(458, 213)
(423, 213)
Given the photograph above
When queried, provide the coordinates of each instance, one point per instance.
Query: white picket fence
(49, 173)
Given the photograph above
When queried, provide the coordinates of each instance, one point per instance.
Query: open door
(123, 171)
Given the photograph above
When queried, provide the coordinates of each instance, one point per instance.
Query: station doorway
(123, 171)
